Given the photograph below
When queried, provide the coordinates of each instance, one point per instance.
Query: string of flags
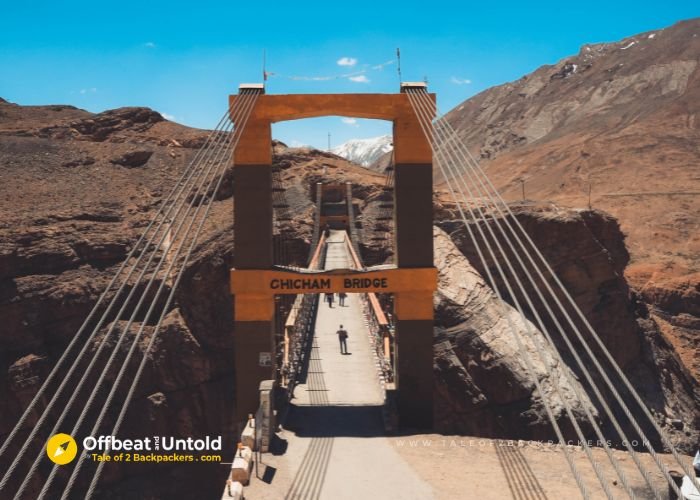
(358, 76)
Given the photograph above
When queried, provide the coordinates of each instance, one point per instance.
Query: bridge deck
(335, 443)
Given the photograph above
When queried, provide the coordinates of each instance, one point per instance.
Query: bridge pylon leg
(253, 327)
(414, 311)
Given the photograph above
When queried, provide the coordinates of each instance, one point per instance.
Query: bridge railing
(299, 326)
(379, 325)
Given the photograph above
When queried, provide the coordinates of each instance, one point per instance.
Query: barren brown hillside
(621, 119)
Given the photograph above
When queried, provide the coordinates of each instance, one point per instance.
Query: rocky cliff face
(586, 250)
(484, 381)
(618, 119)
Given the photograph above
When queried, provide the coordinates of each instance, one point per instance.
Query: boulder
(133, 159)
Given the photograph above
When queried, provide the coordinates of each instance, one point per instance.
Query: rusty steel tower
(412, 282)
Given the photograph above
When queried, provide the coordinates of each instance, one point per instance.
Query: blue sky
(184, 58)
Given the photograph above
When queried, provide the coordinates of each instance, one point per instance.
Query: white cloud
(381, 66)
(149, 45)
(347, 61)
(350, 121)
(91, 90)
(359, 79)
(168, 117)
(297, 144)
(460, 81)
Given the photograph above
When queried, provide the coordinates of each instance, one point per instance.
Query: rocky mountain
(614, 127)
(364, 151)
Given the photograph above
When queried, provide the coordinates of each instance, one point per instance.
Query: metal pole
(398, 59)
(257, 461)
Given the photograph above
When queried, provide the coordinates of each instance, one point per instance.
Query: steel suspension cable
(213, 162)
(177, 190)
(428, 107)
(427, 130)
(479, 172)
(445, 139)
(113, 326)
(137, 376)
(540, 346)
(165, 309)
(58, 365)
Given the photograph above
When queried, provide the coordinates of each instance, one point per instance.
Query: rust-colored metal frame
(410, 143)
(414, 248)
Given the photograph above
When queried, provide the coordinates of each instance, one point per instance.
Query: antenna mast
(398, 58)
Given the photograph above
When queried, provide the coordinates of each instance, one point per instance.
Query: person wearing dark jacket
(343, 339)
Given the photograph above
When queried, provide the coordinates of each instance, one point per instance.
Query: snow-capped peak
(364, 151)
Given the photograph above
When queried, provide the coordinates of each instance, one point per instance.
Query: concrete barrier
(234, 490)
(242, 465)
(240, 470)
(257, 432)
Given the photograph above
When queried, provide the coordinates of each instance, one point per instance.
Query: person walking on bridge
(343, 339)
(341, 299)
(329, 299)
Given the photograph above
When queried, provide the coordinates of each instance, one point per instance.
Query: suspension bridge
(285, 334)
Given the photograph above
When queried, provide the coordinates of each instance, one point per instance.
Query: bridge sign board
(273, 282)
